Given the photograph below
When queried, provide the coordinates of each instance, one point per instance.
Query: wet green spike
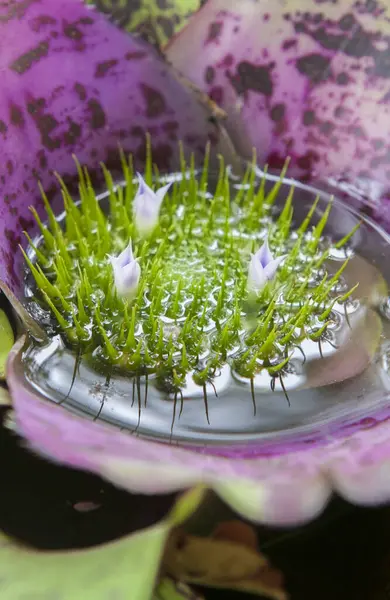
(347, 237)
(192, 310)
(130, 342)
(184, 364)
(273, 194)
(81, 309)
(316, 335)
(278, 367)
(136, 357)
(306, 222)
(112, 353)
(53, 223)
(46, 234)
(258, 202)
(42, 259)
(203, 184)
(61, 320)
(319, 228)
(42, 281)
(63, 279)
(284, 221)
(81, 333)
(268, 343)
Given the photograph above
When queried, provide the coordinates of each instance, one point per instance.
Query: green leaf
(126, 568)
(6, 341)
(5, 398)
(169, 589)
(153, 19)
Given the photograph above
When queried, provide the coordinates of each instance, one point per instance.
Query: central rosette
(177, 280)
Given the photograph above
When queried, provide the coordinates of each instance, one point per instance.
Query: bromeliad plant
(314, 86)
(180, 281)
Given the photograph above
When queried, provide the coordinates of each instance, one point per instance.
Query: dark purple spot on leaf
(347, 22)
(154, 100)
(73, 133)
(315, 67)
(86, 21)
(35, 105)
(278, 112)
(227, 61)
(136, 55)
(306, 162)
(72, 31)
(41, 21)
(3, 128)
(102, 68)
(252, 77)
(214, 31)
(25, 224)
(309, 117)
(44, 122)
(340, 112)
(80, 91)
(209, 75)
(171, 127)
(287, 44)
(342, 79)
(16, 116)
(326, 127)
(276, 161)
(137, 131)
(42, 159)
(27, 60)
(98, 116)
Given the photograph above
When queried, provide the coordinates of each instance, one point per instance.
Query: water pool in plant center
(198, 354)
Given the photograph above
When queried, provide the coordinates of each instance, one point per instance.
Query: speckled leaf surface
(74, 83)
(160, 19)
(126, 568)
(309, 78)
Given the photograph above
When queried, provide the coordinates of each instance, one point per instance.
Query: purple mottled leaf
(309, 78)
(73, 83)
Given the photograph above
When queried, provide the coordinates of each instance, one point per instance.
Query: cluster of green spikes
(192, 313)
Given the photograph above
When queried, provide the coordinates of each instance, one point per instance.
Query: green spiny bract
(192, 312)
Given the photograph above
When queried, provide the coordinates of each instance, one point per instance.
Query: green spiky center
(192, 313)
